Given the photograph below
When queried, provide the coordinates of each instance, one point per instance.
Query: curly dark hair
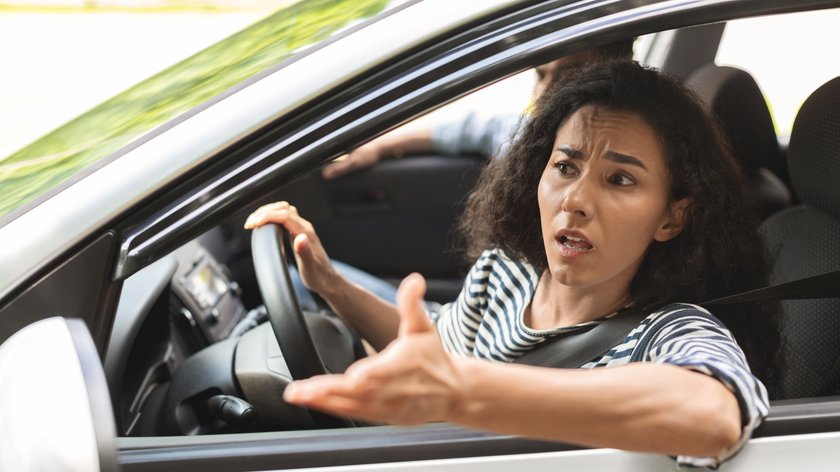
(719, 250)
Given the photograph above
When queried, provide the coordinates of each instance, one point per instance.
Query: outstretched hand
(412, 381)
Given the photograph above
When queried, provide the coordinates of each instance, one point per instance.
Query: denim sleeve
(489, 136)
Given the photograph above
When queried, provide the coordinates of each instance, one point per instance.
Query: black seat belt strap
(577, 348)
(819, 286)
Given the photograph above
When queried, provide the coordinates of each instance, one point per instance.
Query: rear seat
(733, 96)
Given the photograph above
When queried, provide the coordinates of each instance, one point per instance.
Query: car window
(784, 66)
(110, 126)
(510, 96)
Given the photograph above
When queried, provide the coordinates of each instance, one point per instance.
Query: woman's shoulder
(679, 307)
(682, 317)
(682, 311)
(679, 329)
(496, 270)
(496, 259)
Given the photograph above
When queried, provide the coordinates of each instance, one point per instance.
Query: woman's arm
(642, 407)
(375, 319)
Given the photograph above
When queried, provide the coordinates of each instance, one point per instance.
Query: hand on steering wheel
(316, 271)
(284, 314)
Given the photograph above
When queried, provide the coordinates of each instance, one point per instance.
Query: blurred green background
(29, 172)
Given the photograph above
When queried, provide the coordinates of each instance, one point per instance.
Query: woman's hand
(314, 265)
(412, 381)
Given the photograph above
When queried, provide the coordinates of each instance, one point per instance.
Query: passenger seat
(733, 96)
(804, 240)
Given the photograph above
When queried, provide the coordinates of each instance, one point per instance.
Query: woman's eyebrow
(625, 159)
(570, 151)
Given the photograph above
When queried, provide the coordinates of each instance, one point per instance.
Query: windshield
(54, 158)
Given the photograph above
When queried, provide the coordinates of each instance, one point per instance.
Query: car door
(780, 445)
(177, 213)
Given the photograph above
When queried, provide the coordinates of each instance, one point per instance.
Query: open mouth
(575, 244)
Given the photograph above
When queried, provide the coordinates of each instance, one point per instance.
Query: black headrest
(733, 96)
(814, 152)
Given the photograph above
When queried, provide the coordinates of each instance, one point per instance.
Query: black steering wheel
(268, 244)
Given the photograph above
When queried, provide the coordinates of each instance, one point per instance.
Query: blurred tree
(120, 120)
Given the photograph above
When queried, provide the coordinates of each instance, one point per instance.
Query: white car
(137, 232)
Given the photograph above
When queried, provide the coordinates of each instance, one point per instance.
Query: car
(140, 237)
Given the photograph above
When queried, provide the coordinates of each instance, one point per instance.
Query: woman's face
(604, 198)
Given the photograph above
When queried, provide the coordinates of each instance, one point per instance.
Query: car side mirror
(55, 411)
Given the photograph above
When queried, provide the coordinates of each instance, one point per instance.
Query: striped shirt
(486, 322)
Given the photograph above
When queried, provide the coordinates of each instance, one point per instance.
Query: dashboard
(206, 299)
(167, 312)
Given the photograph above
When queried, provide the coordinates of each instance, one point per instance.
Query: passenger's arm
(470, 133)
(396, 143)
(475, 134)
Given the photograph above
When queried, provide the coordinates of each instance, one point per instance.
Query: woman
(619, 193)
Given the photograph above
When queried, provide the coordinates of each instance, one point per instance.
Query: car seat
(804, 240)
(733, 96)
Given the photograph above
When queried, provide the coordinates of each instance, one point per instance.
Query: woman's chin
(569, 274)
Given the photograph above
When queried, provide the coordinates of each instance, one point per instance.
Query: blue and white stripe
(486, 322)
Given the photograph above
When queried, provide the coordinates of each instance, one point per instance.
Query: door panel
(596, 459)
(440, 452)
(394, 218)
(812, 452)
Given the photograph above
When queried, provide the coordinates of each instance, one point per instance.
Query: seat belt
(575, 349)
(572, 350)
(818, 286)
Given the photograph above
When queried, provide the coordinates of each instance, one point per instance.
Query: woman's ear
(673, 221)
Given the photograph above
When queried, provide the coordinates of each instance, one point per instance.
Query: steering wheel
(284, 313)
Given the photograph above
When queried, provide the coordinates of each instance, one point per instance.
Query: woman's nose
(579, 197)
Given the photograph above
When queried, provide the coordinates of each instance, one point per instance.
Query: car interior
(802, 241)
(733, 96)
(187, 353)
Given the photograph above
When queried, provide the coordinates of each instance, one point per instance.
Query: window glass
(779, 52)
(510, 96)
(53, 159)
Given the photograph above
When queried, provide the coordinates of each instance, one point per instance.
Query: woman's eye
(564, 168)
(621, 180)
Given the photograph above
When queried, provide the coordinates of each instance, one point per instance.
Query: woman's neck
(555, 305)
